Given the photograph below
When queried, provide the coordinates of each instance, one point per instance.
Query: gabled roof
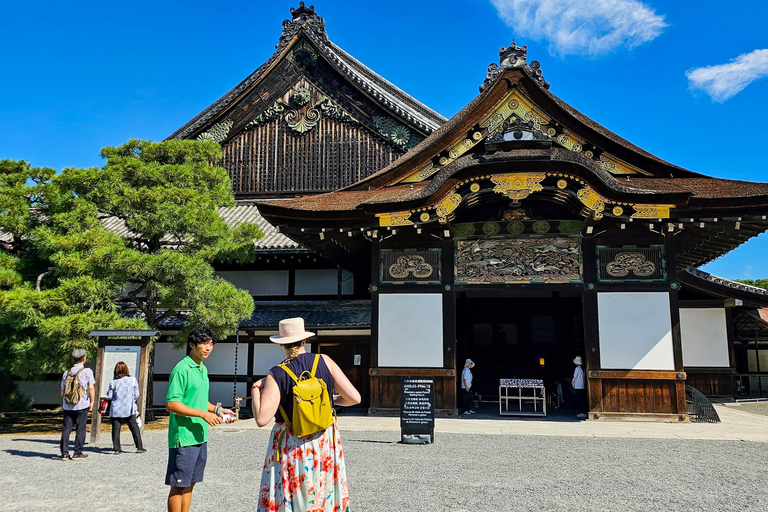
(516, 139)
(243, 212)
(305, 23)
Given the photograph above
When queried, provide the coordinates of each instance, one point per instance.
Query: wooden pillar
(591, 330)
(674, 305)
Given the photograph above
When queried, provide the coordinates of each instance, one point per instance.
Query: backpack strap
(290, 373)
(76, 373)
(314, 365)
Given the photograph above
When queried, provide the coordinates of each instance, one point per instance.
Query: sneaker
(116, 452)
(80, 456)
(472, 412)
(466, 413)
(141, 450)
(581, 415)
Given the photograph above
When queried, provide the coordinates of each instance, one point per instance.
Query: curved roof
(305, 22)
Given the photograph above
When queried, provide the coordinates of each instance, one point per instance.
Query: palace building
(522, 233)
(519, 233)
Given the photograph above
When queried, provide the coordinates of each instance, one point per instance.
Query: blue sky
(684, 80)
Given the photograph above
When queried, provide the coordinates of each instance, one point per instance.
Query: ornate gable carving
(302, 108)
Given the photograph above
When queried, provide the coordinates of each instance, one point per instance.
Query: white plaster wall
(222, 359)
(222, 392)
(160, 389)
(258, 282)
(166, 357)
(635, 331)
(46, 392)
(265, 356)
(323, 282)
(411, 330)
(704, 336)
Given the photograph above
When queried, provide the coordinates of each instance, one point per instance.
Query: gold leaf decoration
(394, 219)
(448, 205)
(591, 199)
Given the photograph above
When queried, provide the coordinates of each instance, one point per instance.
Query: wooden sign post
(131, 347)
(417, 409)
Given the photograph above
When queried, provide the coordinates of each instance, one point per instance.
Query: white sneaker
(581, 415)
(471, 412)
(466, 413)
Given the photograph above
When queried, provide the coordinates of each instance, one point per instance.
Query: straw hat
(577, 360)
(291, 331)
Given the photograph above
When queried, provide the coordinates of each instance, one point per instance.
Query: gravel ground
(458, 472)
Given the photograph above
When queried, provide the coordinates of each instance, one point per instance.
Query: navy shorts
(186, 465)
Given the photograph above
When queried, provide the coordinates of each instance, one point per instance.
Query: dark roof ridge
(726, 282)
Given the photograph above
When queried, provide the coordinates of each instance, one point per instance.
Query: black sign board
(417, 407)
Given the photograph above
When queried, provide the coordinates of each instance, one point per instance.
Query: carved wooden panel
(410, 266)
(631, 264)
(518, 260)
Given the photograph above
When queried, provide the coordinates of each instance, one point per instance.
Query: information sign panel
(417, 407)
(113, 355)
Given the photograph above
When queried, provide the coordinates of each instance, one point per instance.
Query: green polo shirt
(188, 384)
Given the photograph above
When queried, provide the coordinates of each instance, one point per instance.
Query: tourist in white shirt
(466, 386)
(76, 414)
(578, 386)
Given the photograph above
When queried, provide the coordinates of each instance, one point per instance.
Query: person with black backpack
(78, 387)
(304, 467)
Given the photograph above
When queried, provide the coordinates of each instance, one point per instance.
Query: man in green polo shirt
(191, 413)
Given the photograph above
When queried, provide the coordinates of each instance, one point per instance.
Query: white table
(520, 391)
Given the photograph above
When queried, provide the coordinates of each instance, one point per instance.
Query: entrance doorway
(522, 338)
(353, 355)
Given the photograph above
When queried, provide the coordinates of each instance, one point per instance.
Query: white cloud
(726, 80)
(591, 27)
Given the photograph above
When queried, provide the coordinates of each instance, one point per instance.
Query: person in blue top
(123, 392)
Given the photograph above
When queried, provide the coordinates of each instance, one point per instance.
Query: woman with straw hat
(301, 473)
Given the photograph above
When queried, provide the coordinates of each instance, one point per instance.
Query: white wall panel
(265, 356)
(258, 282)
(160, 390)
(323, 281)
(411, 330)
(222, 392)
(47, 392)
(705, 337)
(635, 331)
(222, 359)
(166, 357)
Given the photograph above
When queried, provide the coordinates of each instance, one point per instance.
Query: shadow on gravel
(41, 455)
(33, 440)
(368, 441)
(49, 455)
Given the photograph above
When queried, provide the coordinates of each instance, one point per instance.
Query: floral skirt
(308, 476)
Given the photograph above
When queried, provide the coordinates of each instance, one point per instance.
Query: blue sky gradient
(76, 77)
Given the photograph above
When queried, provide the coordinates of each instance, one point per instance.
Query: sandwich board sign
(417, 409)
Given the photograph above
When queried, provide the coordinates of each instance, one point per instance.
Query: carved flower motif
(400, 135)
(300, 96)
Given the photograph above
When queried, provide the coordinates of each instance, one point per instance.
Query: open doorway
(519, 338)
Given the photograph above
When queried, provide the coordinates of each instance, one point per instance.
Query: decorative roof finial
(305, 18)
(513, 57)
(302, 10)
